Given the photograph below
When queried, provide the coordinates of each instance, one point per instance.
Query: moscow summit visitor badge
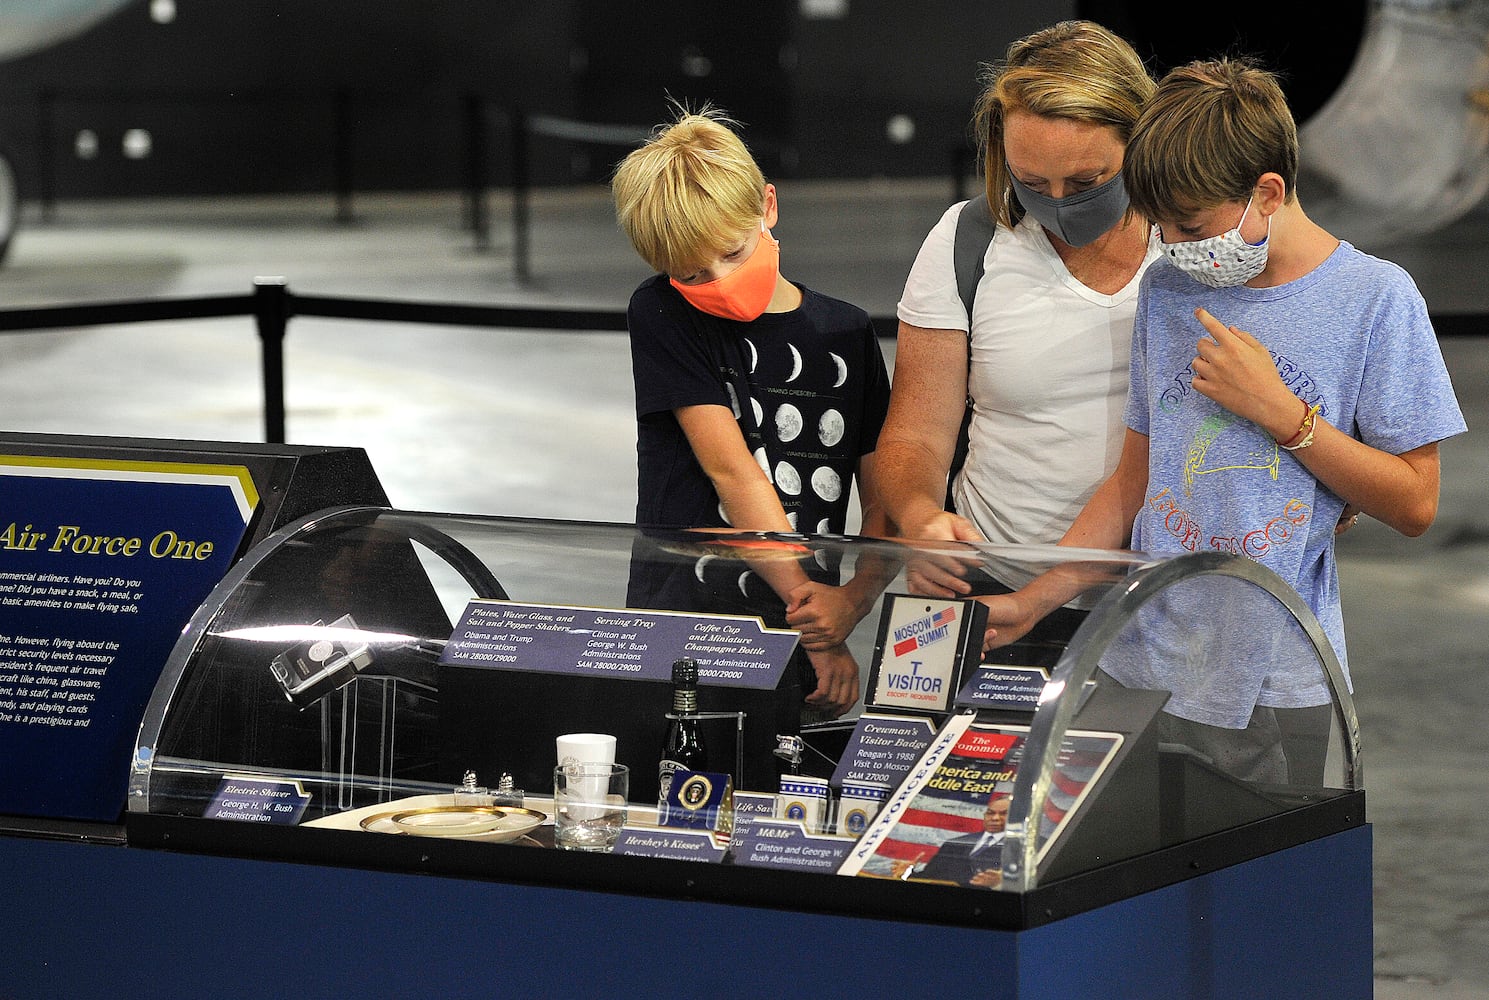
(925, 646)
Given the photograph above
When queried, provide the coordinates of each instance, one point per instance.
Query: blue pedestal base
(83, 920)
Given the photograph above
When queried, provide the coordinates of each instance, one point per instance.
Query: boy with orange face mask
(758, 400)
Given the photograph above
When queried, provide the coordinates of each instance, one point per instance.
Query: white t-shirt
(1048, 380)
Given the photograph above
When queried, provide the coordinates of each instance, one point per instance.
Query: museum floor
(540, 424)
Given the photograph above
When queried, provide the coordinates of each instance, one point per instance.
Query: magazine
(945, 822)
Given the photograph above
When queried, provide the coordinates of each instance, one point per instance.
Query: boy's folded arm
(1401, 491)
(825, 615)
(749, 500)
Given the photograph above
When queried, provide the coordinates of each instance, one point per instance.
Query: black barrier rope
(272, 305)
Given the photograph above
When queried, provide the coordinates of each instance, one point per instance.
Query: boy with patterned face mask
(1279, 378)
(758, 400)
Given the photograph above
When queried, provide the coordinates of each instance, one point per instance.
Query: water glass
(589, 805)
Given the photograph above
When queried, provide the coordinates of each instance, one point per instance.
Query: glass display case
(345, 674)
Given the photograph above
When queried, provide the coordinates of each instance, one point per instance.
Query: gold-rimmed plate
(493, 824)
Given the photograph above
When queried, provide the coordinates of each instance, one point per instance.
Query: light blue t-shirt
(1351, 336)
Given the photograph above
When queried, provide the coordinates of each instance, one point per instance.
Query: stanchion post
(342, 154)
(475, 169)
(46, 174)
(271, 312)
(520, 223)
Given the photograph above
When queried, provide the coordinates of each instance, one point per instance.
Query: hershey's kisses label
(675, 845)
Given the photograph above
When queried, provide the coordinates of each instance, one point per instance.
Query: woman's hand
(941, 574)
(1348, 518)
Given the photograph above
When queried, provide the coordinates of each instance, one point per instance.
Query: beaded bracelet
(1304, 437)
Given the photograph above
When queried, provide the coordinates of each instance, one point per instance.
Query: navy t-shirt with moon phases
(809, 389)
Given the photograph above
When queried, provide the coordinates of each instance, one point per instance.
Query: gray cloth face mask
(1078, 218)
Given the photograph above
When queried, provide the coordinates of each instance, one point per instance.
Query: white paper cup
(585, 748)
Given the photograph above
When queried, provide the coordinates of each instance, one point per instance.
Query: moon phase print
(788, 480)
(788, 422)
(827, 484)
(795, 363)
(842, 367)
(830, 427)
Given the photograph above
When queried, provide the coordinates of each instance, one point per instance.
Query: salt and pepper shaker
(507, 793)
(470, 793)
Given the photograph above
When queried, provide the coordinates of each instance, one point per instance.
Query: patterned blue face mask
(1078, 218)
(1221, 261)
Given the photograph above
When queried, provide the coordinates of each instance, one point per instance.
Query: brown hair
(1211, 130)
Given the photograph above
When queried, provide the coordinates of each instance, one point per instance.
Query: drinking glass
(589, 805)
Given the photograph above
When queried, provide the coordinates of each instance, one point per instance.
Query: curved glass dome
(1199, 694)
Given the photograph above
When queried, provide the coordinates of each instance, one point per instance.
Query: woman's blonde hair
(1075, 70)
(687, 194)
(1211, 130)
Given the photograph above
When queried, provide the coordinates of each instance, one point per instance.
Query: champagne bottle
(684, 750)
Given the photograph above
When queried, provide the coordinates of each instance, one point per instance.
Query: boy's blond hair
(686, 196)
(1211, 130)
(1075, 70)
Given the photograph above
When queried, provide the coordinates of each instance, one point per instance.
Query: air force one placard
(101, 565)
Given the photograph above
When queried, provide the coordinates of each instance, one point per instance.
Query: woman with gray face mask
(1042, 359)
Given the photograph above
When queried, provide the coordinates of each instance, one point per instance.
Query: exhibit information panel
(101, 564)
(607, 642)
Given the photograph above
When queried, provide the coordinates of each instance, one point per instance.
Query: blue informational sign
(882, 749)
(731, 651)
(764, 843)
(1009, 688)
(258, 800)
(102, 563)
(677, 845)
(750, 804)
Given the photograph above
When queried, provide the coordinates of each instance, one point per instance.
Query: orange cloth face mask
(744, 292)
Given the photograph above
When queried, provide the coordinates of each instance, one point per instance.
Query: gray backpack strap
(975, 227)
(974, 231)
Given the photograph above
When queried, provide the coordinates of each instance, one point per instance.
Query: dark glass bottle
(684, 750)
